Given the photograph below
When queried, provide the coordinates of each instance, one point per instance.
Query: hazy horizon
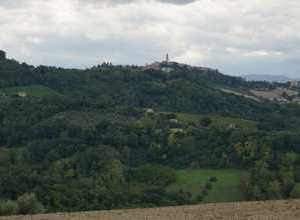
(235, 36)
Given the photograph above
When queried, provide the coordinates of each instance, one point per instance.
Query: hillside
(136, 87)
(115, 137)
(289, 210)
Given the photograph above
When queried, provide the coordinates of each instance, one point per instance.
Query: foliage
(8, 208)
(25, 204)
(32, 90)
(295, 193)
(120, 136)
(29, 204)
(225, 189)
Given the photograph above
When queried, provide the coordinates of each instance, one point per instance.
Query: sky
(234, 36)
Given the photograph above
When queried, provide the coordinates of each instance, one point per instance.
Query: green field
(225, 189)
(218, 120)
(33, 90)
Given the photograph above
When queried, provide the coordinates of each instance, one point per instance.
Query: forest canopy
(112, 137)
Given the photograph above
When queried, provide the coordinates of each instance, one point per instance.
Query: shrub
(213, 179)
(155, 175)
(180, 198)
(8, 208)
(199, 198)
(205, 122)
(295, 194)
(29, 204)
(204, 192)
(208, 186)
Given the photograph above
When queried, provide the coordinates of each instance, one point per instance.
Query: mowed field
(272, 210)
(225, 189)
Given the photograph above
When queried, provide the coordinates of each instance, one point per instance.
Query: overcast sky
(235, 36)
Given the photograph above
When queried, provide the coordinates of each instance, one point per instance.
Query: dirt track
(274, 210)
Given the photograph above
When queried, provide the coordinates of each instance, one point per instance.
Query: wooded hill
(112, 137)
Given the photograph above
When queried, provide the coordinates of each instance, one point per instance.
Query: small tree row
(25, 204)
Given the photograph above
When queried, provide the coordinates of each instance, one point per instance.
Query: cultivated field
(274, 210)
(274, 94)
(240, 94)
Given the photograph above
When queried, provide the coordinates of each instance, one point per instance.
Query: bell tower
(167, 58)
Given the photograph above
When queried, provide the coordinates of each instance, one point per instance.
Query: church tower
(167, 58)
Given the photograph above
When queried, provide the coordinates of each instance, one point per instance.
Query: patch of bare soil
(271, 210)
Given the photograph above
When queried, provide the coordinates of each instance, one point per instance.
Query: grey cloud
(117, 2)
(234, 36)
(13, 4)
(179, 2)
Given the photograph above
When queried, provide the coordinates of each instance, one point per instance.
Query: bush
(8, 208)
(155, 175)
(208, 186)
(204, 192)
(213, 179)
(179, 198)
(29, 204)
(199, 198)
(205, 122)
(295, 194)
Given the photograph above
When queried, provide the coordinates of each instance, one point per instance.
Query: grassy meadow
(225, 189)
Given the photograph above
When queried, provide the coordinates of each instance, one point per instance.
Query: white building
(294, 83)
(22, 94)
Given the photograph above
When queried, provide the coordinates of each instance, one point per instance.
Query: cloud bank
(235, 36)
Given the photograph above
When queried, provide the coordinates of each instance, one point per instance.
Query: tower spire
(167, 58)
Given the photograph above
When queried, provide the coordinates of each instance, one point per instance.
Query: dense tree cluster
(110, 137)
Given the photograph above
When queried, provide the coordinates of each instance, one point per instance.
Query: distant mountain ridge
(267, 78)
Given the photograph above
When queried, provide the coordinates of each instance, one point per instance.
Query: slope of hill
(186, 90)
(288, 210)
(32, 90)
(225, 188)
(112, 137)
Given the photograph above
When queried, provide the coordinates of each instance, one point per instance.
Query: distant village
(168, 66)
(294, 84)
(282, 92)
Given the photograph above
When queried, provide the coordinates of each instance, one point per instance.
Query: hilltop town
(168, 66)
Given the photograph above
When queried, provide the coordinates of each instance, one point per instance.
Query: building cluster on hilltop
(294, 84)
(168, 66)
(165, 66)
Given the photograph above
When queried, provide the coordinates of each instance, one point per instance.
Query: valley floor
(271, 210)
